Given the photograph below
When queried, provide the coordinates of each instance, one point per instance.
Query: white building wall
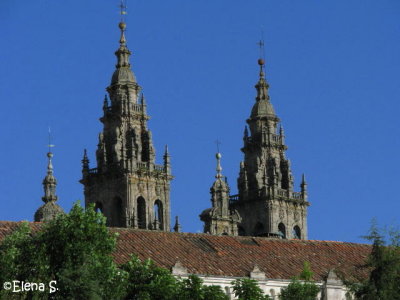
(272, 287)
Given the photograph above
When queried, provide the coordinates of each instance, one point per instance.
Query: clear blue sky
(333, 68)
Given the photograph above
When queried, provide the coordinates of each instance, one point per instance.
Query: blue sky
(333, 68)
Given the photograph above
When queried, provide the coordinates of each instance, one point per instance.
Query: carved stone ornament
(281, 213)
(296, 216)
(141, 187)
(158, 190)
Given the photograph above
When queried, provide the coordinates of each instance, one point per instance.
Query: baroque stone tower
(220, 219)
(267, 202)
(127, 186)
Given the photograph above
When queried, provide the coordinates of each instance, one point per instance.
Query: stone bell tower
(267, 202)
(127, 186)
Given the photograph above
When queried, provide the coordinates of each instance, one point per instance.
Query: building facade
(127, 186)
(266, 204)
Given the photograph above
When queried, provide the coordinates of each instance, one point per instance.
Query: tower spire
(50, 209)
(261, 60)
(263, 106)
(49, 182)
(218, 157)
(126, 173)
(123, 11)
(265, 176)
(123, 74)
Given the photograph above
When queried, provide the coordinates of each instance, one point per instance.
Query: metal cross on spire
(218, 143)
(122, 7)
(50, 145)
(261, 45)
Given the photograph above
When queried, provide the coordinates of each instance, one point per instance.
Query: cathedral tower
(267, 202)
(127, 186)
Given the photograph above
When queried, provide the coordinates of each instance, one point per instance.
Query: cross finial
(261, 45)
(50, 145)
(218, 143)
(122, 7)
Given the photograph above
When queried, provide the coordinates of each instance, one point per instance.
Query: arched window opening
(158, 215)
(259, 229)
(285, 175)
(141, 213)
(118, 215)
(282, 230)
(98, 207)
(241, 231)
(296, 232)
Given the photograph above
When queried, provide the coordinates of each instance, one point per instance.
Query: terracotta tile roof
(235, 256)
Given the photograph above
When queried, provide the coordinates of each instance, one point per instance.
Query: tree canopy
(75, 251)
(383, 265)
(301, 288)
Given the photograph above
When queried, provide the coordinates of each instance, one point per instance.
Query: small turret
(303, 187)
(167, 161)
(177, 226)
(50, 209)
(246, 133)
(85, 163)
(105, 104)
(220, 219)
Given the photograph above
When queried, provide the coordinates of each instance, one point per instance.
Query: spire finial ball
(261, 62)
(218, 155)
(122, 25)
(49, 154)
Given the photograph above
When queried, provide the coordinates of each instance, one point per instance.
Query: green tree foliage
(145, 281)
(248, 289)
(383, 282)
(74, 250)
(20, 258)
(192, 288)
(304, 290)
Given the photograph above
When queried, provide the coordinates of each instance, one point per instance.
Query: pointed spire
(123, 74)
(122, 27)
(50, 209)
(219, 168)
(281, 131)
(105, 103)
(262, 85)
(85, 161)
(177, 227)
(263, 106)
(166, 153)
(303, 179)
(303, 187)
(142, 100)
(167, 161)
(49, 182)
